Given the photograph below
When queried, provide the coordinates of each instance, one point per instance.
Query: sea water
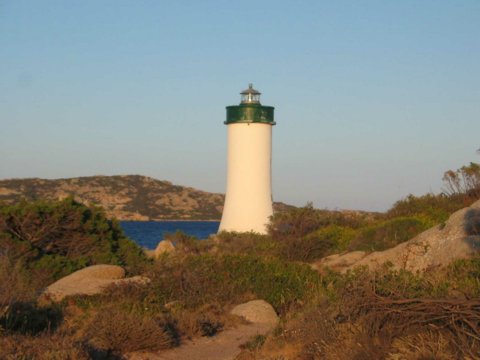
(149, 233)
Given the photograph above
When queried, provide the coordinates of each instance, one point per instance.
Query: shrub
(54, 239)
(437, 208)
(307, 248)
(298, 222)
(226, 279)
(465, 276)
(18, 311)
(115, 332)
(246, 243)
(184, 243)
(390, 233)
(27, 318)
(295, 223)
(464, 182)
(173, 317)
(317, 244)
(15, 285)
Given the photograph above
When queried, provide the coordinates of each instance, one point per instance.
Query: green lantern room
(250, 109)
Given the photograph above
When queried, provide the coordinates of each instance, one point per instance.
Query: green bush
(317, 244)
(437, 208)
(387, 234)
(55, 238)
(298, 222)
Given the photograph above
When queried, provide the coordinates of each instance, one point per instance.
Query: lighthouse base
(248, 200)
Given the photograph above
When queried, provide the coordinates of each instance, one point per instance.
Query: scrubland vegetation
(388, 314)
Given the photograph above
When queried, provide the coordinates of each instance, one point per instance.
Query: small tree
(296, 222)
(464, 181)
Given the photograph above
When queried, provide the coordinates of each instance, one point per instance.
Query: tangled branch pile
(457, 320)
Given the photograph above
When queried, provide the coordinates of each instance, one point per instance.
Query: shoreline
(169, 220)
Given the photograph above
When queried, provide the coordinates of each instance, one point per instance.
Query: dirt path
(224, 346)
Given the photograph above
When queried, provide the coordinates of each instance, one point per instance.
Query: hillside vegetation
(386, 314)
(127, 197)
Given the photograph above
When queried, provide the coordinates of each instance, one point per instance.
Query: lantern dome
(250, 110)
(250, 95)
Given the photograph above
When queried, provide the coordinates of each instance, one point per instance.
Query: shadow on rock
(472, 228)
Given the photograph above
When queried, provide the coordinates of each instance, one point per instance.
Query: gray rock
(458, 238)
(89, 281)
(164, 247)
(257, 311)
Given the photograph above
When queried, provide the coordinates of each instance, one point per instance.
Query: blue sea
(149, 233)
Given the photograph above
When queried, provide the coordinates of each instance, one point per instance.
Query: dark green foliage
(53, 239)
(387, 234)
(29, 319)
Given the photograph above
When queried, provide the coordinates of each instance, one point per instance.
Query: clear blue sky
(374, 99)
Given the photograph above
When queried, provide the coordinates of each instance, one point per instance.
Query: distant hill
(126, 197)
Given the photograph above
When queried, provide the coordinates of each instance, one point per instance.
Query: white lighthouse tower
(248, 199)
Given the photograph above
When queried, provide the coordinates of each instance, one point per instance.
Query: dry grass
(422, 346)
(44, 347)
(14, 283)
(207, 320)
(115, 332)
(390, 315)
(457, 319)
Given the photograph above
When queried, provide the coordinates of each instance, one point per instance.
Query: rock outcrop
(458, 238)
(163, 247)
(257, 312)
(88, 281)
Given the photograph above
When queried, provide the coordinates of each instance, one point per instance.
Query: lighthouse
(248, 199)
